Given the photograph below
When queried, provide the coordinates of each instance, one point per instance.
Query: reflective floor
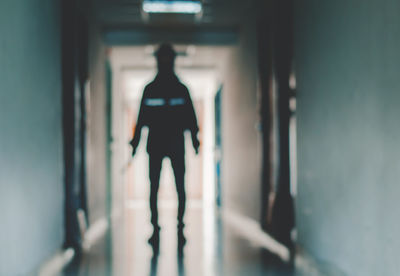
(212, 248)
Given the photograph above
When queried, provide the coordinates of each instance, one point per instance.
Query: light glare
(189, 7)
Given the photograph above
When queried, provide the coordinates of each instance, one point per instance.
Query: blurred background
(298, 107)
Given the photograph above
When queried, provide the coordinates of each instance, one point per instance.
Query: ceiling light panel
(178, 6)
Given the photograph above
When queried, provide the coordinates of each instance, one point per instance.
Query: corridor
(280, 120)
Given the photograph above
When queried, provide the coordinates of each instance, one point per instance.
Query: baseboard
(94, 232)
(62, 258)
(57, 262)
(250, 229)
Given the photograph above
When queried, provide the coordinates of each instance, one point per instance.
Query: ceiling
(128, 13)
(125, 23)
(202, 42)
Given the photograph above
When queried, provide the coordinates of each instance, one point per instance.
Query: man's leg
(155, 162)
(178, 165)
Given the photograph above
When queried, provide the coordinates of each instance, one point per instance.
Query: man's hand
(133, 147)
(196, 144)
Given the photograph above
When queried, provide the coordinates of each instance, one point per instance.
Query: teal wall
(31, 164)
(348, 71)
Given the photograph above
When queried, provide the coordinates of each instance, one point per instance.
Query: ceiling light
(179, 6)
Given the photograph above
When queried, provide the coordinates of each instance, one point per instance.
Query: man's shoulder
(181, 85)
(157, 84)
(149, 88)
(150, 85)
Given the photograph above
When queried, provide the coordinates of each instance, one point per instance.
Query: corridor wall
(347, 66)
(96, 125)
(31, 160)
(242, 148)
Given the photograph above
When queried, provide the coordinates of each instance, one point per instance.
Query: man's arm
(139, 125)
(192, 122)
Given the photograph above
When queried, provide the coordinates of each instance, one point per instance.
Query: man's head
(165, 58)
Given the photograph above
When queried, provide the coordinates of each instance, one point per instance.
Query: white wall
(96, 127)
(241, 140)
(31, 161)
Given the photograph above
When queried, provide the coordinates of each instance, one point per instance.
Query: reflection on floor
(212, 248)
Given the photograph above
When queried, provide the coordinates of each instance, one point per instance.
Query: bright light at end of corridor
(159, 6)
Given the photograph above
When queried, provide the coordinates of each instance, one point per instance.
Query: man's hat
(165, 50)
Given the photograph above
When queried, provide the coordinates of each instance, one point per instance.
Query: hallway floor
(212, 248)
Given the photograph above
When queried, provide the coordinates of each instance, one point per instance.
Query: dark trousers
(178, 166)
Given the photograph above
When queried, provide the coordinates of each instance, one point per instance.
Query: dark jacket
(167, 110)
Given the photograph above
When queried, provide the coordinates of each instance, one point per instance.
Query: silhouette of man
(167, 110)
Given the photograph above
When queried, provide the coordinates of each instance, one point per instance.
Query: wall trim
(251, 230)
(94, 232)
(57, 262)
(63, 257)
